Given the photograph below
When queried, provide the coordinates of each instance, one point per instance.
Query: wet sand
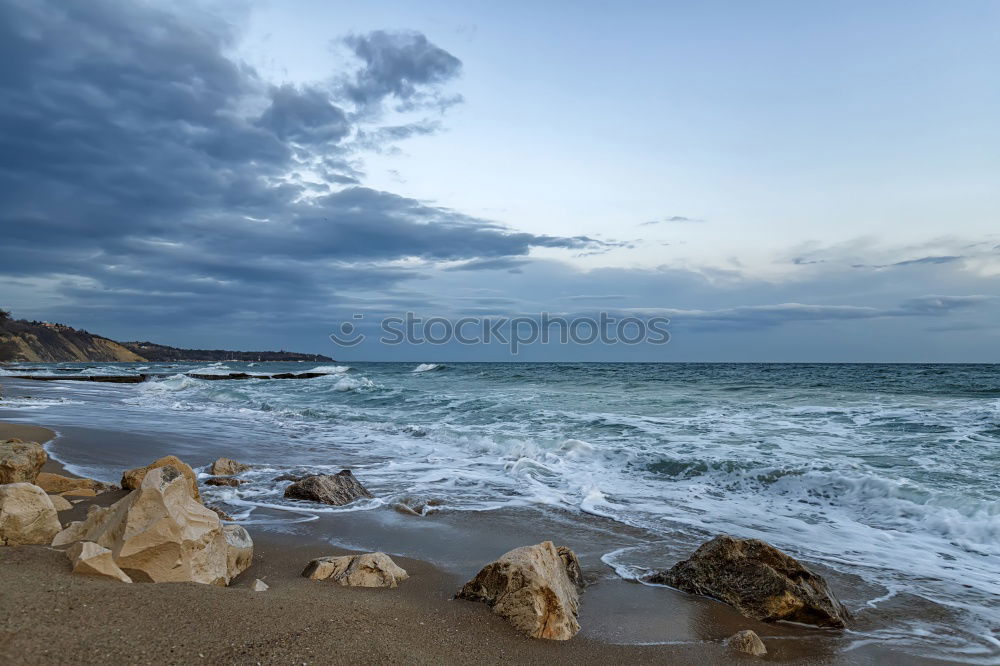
(49, 615)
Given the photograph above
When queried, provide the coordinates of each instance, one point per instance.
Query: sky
(783, 181)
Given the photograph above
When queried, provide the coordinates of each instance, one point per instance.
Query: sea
(886, 475)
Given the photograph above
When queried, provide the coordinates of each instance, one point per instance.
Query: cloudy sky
(785, 181)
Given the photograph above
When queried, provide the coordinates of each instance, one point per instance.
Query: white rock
(26, 515)
(93, 560)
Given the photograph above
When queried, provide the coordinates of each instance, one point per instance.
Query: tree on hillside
(4, 315)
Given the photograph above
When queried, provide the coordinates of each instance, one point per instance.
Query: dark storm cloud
(762, 316)
(142, 168)
(404, 65)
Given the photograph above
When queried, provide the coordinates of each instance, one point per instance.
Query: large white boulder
(160, 533)
(20, 462)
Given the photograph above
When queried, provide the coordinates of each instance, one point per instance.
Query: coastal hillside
(162, 354)
(44, 342)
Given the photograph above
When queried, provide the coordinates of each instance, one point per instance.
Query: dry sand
(50, 616)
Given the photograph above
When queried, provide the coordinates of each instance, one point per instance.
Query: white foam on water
(428, 367)
(332, 369)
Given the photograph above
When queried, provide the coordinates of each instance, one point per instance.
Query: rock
(60, 503)
(57, 483)
(337, 489)
(368, 570)
(219, 512)
(239, 550)
(227, 467)
(159, 533)
(20, 462)
(259, 586)
(223, 481)
(747, 641)
(89, 558)
(416, 507)
(70, 534)
(535, 588)
(132, 478)
(289, 477)
(758, 580)
(26, 515)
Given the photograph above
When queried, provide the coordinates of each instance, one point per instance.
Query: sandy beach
(50, 615)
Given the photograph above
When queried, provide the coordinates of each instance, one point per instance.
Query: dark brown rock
(223, 481)
(758, 580)
(337, 489)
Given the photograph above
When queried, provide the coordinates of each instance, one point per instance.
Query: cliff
(42, 342)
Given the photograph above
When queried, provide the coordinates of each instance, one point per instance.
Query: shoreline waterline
(458, 539)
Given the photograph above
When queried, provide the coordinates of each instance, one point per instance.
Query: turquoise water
(889, 472)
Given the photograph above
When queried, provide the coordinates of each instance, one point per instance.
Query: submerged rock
(758, 580)
(223, 481)
(367, 570)
(535, 588)
(227, 467)
(219, 512)
(159, 533)
(132, 478)
(20, 462)
(57, 483)
(337, 489)
(290, 477)
(748, 642)
(93, 560)
(26, 515)
(416, 507)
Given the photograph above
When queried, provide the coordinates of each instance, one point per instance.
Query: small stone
(227, 467)
(367, 570)
(337, 489)
(747, 641)
(259, 586)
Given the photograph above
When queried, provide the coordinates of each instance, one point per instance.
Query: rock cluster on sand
(748, 642)
(20, 462)
(160, 533)
(535, 588)
(90, 559)
(132, 478)
(227, 467)
(26, 515)
(758, 580)
(366, 570)
(59, 484)
(337, 489)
